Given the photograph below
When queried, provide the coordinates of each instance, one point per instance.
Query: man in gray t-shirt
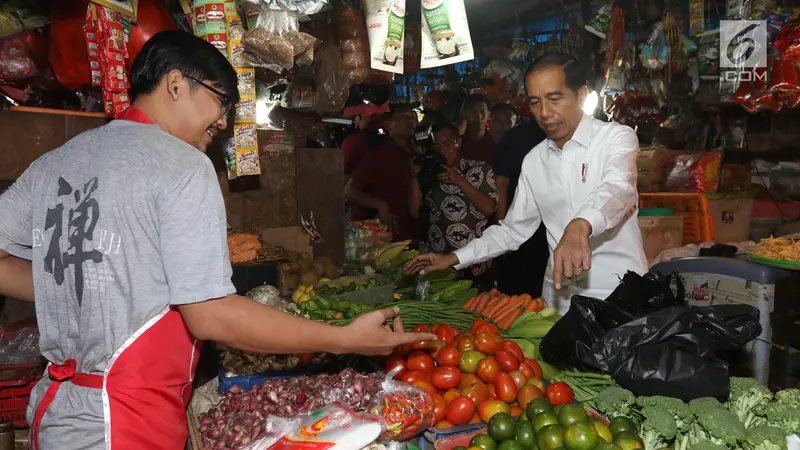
(120, 235)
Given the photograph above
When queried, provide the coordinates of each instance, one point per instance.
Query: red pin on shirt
(583, 173)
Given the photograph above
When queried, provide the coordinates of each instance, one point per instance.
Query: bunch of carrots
(243, 247)
(503, 309)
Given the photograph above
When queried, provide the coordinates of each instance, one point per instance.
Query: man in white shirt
(581, 182)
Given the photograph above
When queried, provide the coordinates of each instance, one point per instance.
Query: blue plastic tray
(246, 381)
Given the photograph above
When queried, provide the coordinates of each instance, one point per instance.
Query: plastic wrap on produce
(19, 342)
(333, 427)
(445, 33)
(670, 351)
(405, 410)
(386, 24)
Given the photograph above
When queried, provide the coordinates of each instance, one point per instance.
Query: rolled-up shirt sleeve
(616, 194)
(522, 220)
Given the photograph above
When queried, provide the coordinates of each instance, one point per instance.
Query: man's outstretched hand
(573, 256)
(430, 262)
(370, 335)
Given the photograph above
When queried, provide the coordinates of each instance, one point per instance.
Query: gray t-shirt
(120, 222)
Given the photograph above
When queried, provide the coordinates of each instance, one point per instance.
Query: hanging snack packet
(696, 17)
(246, 108)
(708, 55)
(199, 18)
(246, 143)
(601, 23)
(386, 24)
(229, 151)
(445, 33)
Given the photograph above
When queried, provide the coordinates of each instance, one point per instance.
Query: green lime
(571, 414)
(460, 447)
(538, 406)
(607, 446)
(483, 441)
(525, 434)
(558, 407)
(621, 425)
(511, 445)
(544, 419)
(581, 436)
(501, 427)
(550, 437)
(628, 440)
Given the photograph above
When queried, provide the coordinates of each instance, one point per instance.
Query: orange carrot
(505, 308)
(509, 315)
(493, 308)
(470, 304)
(539, 304)
(483, 302)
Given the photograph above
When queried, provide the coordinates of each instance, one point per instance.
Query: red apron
(146, 385)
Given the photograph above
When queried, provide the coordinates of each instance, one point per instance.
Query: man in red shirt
(353, 149)
(384, 174)
(477, 143)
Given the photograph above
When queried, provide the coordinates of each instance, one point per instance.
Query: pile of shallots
(239, 420)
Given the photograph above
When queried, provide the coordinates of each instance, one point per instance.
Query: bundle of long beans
(585, 385)
(415, 312)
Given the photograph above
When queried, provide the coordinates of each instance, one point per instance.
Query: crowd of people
(480, 163)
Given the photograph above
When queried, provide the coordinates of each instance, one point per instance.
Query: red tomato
(394, 362)
(435, 347)
(515, 410)
(507, 361)
(446, 377)
(420, 361)
(519, 378)
(460, 411)
(413, 375)
(476, 324)
(468, 379)
(489, 408)
(403, 349)
(439, 407)
(492, 391)
(537, 369)
(526, 370)
(435, 328)
(488, 343)
(515, 350)
(424, 345)
(488, 368)
(487, 328)
(426, 386)
(421, 328)
(526, 394)
(505, 388)
(559, 393)
(478, 392)
(446, 333)
(448, 356)
(465, 344)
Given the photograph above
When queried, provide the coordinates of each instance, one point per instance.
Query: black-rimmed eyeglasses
(224, 101)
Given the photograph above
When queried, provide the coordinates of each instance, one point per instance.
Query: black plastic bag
(640, 295)
(669, 352)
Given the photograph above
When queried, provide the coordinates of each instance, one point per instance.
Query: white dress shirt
(594, 178)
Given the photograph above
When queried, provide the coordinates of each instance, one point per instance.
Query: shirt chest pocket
(587, 179)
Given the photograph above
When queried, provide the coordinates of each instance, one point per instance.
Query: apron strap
(60, 373)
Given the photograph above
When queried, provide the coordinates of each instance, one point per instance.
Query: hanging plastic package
(386, 26)
(445, 33)
(669, 351)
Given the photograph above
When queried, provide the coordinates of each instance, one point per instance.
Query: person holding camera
(580, 182)
(457, 205)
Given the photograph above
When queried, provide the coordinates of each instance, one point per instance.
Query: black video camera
(430, 160)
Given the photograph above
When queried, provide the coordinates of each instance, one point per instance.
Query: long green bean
(414, 313)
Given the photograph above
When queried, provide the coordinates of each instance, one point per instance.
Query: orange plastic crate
(698, 224)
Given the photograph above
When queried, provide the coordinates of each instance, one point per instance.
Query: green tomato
(550, 437)
(469, 361)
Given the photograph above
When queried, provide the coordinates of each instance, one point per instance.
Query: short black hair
(504, 107)
(476, 98)
(445, 125)
(573, 70)
(178, 50)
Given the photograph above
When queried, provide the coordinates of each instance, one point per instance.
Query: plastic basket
(16, 383)
(698, 224)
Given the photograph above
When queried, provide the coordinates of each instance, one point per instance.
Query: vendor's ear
(176, 82)
(583, 92)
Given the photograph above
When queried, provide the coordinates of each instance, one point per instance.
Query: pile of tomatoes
(473, 374)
